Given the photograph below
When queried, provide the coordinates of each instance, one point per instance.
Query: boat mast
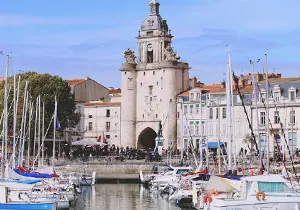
(267, 114)
(229, 113)
(43, 134)
(219, 136)
(15, 125)
(201, 131)
(255, 92)
(54, 131)
(29, 134)
(39, 129)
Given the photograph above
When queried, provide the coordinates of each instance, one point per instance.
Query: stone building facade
(150, 86)
(85, 90)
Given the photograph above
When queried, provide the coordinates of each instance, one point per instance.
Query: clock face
(150, 47)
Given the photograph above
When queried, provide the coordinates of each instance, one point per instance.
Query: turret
(128, 99)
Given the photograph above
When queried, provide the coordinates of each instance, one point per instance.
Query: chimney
(241, 81)
(259, 77)
(223, 84)
(194, 82)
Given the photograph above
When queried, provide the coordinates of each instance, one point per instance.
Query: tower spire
(154, 7)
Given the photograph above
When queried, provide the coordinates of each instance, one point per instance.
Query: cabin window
(182, 171)
(272, 187)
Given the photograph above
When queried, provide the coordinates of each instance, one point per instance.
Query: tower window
(150, 33)
(144, 73)
(156, 115)
(150, 89)
(143, 116)
(150, 57)
(141, 84)
(125, 72)
(153, 72)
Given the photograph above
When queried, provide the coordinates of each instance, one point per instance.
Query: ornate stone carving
(170, 54)
(129, 56)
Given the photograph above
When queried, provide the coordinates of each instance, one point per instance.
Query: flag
(57, 124)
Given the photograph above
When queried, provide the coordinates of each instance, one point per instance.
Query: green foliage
(47, 87)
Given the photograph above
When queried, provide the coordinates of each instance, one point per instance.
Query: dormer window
(198, 95)
(292, 94)
(192, 96)
(277, 93)
(263, 96)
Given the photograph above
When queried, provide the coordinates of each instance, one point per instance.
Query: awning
(214, 145)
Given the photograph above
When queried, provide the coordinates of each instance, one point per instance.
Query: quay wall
(108, 169)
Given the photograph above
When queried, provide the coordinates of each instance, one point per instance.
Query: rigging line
(284, 136)
(272, 129)
(191, 143)
(247, 116)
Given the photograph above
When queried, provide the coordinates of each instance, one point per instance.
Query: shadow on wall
(146, 139)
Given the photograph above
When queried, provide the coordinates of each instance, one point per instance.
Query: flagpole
(43, 134)
(54, 131)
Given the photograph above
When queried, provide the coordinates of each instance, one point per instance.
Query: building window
(141, 84)
(161, 82)
(108, 113)
(90, 114)
(178, 115)
(150, 98)
(150, 89)
(293, 140)
(224, 113)
(155, 98)
(153, 72)
(192, 96)
(276, 117)
(292, 117)
(198, 95)
(90, 126)
(276, 96)
(107, 137)
(211, 113)
(150, 56)
(156, 115)
(292, 95)
(185, 109)
(217, 113)
(197, 127)
(157, 83)
(107, 126)
(143, 116)
(144, 73)
(146, 98)
(191, 109)
(197, 108)
(262, 118)
(192, 127)
(263, 97)
(185, 131)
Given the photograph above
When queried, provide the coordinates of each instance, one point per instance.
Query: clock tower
(158, 78)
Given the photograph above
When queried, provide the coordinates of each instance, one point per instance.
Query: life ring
(214, 192)
(262, 194)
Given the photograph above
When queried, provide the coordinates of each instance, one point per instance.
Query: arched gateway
(146, 139)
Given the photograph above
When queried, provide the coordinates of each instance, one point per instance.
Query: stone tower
(150, 87)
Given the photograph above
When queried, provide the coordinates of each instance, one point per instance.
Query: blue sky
(75, 38)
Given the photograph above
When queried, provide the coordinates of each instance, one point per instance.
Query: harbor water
(122, 196)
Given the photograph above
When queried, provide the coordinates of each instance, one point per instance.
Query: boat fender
(214, 193)
(209, 199)
(262, 194)
(204, 199)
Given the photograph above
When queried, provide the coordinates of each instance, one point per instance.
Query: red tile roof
(75, 81)
(115, 91)
(103, 104)
(279, 80)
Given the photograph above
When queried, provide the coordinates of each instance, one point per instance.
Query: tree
(47, 87)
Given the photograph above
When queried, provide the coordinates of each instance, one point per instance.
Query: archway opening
(146, 139)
